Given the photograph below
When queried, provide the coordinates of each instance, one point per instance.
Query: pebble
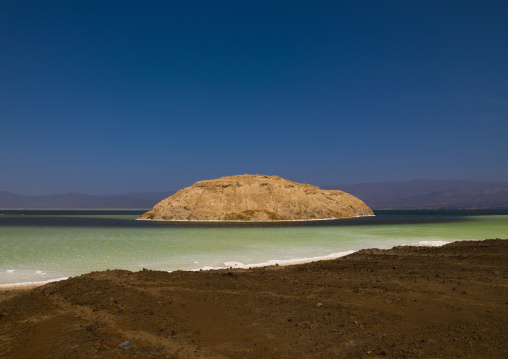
(92, 326)
(125, 345)
(155, 352)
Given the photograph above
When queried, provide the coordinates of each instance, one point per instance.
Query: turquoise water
(47, 246)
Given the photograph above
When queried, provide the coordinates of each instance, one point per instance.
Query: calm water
(46, 245)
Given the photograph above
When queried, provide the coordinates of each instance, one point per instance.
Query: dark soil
(407, 302)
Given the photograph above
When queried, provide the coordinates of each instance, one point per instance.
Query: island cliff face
(256, 198)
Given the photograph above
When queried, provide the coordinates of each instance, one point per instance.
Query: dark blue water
(126, 218)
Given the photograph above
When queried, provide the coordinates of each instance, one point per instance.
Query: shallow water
(47, 245)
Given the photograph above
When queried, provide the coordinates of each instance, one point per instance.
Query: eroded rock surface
(256, 198)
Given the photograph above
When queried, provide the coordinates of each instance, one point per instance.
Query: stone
(125, 345)
(256, 198)
(92, 326)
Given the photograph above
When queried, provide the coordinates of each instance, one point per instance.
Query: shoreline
(233, 265)
(243, 221)
(28, 285)
(408, 301)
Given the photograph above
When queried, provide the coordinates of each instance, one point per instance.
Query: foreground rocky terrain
(256, 198)
(407, 302)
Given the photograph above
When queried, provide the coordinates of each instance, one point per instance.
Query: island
(256, 198)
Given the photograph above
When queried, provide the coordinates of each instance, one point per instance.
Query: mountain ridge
(431, 194)
(73, 200)
(413, 194)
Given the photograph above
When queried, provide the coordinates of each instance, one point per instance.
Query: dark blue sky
(120, 96)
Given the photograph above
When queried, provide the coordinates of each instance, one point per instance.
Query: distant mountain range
(140, 200)
(430, 194)
(416, 194)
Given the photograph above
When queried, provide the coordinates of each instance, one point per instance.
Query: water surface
(46, 245)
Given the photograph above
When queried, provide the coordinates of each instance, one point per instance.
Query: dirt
(406, 302)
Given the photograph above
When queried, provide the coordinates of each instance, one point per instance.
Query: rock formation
(256, 198)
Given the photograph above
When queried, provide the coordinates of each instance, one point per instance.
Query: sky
(107, 97)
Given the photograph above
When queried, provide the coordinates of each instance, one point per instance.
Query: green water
(41, 248)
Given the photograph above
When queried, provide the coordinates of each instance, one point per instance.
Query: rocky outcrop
(256, 198)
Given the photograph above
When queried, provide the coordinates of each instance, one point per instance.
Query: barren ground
(407, 302)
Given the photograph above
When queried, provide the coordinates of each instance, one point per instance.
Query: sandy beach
(406, 302)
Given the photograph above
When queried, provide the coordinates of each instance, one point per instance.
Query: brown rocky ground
(407, 302)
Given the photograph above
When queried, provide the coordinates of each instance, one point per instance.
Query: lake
(38, 245)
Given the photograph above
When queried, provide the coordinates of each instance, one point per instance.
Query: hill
(430, 194)
(10, 200)
(416, 194)
(256, 198)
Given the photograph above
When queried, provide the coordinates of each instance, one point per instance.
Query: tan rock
(256, 198)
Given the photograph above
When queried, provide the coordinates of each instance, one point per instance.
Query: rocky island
(256, 198)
